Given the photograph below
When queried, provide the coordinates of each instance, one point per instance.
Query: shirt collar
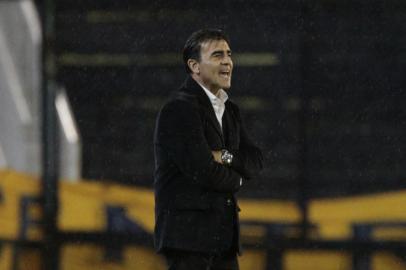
(221, 95)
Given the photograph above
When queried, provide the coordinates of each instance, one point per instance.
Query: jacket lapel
(193, 88)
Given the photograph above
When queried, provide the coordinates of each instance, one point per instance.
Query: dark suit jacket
(195, 206)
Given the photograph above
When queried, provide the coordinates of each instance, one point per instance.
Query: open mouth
(225, 74)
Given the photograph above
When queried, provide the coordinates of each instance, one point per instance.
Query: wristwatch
(226, 157)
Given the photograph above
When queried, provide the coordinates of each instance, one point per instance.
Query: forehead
(214, 45)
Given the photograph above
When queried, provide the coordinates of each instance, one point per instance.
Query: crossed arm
(247, 160)
(181, 135)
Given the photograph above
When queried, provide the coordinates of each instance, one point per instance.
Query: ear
(193, 64)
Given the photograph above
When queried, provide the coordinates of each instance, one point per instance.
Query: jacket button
(229, 202)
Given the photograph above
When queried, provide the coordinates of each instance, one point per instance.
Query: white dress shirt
(218, 102)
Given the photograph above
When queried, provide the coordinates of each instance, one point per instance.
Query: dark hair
(194, 42)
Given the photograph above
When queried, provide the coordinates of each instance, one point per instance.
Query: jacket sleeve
(180, 133)
(248, 159)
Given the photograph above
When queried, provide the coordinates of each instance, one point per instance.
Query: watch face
(226, 157)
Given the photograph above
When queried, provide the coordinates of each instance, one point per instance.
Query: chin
(226, 86)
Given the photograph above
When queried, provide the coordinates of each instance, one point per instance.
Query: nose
(227, 60)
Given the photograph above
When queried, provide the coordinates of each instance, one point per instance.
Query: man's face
(215, 65)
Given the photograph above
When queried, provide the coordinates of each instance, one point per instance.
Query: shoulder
(232, 104)
(180, 104)
(233, 107)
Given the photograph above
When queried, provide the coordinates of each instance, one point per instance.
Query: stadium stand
(321, 84)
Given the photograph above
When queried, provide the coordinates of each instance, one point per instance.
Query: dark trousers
(186, 260)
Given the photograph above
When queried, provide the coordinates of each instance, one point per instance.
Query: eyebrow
(219, 51)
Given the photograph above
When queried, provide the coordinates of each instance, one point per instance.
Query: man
(203, 156)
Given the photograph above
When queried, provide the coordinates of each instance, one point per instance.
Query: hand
(217, 156)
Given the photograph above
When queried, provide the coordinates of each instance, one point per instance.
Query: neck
(201, 82)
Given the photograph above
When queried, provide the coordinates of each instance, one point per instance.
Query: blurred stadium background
(322, 86)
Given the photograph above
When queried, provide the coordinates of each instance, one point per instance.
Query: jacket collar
(191, 87)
